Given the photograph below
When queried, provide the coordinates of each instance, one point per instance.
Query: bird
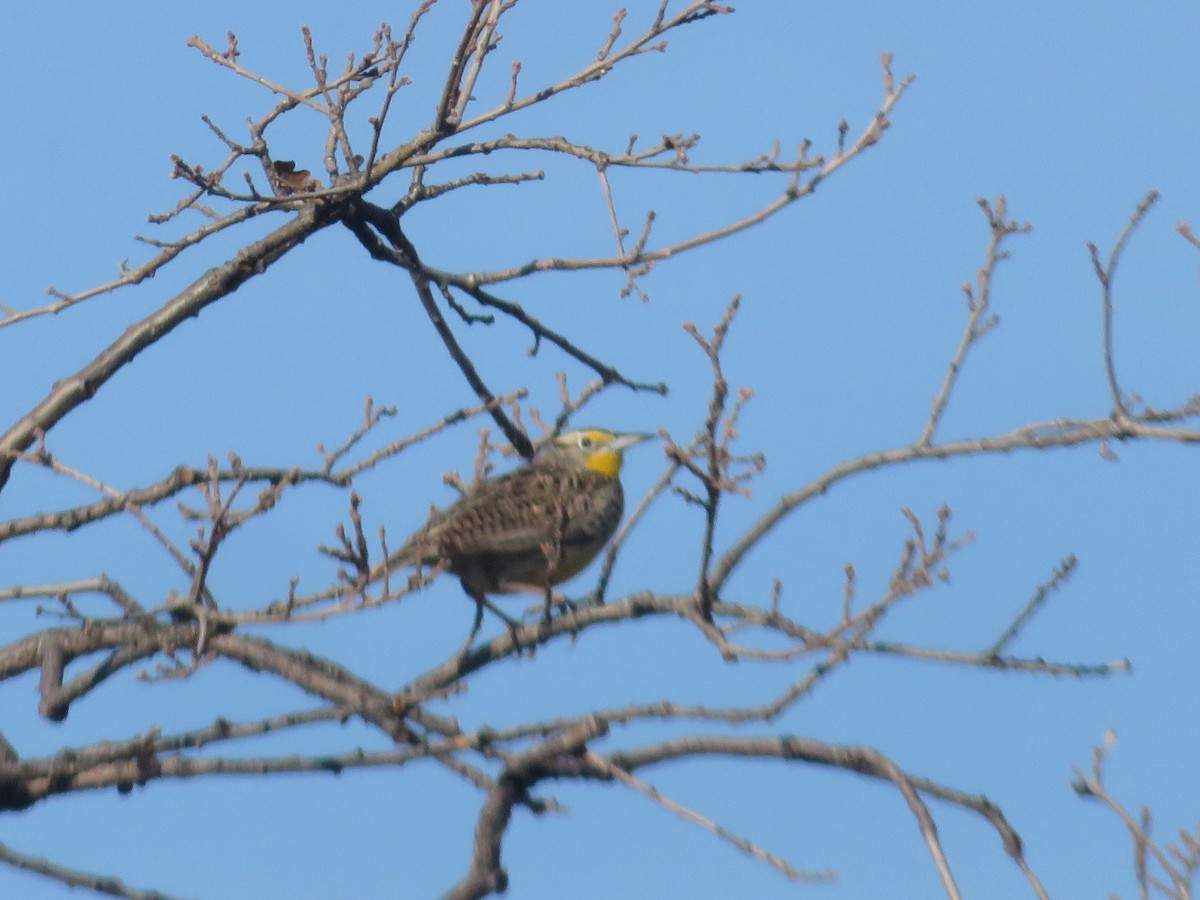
(534, 527)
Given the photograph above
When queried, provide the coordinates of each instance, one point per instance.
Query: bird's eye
(585, 441)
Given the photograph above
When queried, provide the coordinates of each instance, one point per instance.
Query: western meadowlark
(534, 527)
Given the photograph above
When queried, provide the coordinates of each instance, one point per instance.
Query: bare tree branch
(218, 282)
(1106, 274)
(184, 630)
(101, 884)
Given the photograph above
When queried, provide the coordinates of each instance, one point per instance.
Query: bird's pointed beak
(625, 441)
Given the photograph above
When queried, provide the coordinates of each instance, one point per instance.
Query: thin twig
(1106, 274)
(978, 305)
(73, 878)
(361, 221)
(1035, 436)
(1065, 570)
(778, 863)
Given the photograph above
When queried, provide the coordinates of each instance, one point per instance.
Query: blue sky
(851, 311)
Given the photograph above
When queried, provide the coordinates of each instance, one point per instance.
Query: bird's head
(599, 449)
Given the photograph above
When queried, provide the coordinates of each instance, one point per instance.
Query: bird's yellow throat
(605, 461)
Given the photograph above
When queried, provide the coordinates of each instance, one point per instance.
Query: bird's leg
(549, 600)
(481, 601)
(548, 605)
(512, 623)
(556, 601)
(568, 607)
(513, 626)
(475, 626)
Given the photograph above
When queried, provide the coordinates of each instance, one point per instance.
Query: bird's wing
(516, 512)
(495, 516)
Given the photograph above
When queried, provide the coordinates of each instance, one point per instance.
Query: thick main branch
(220, 281)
